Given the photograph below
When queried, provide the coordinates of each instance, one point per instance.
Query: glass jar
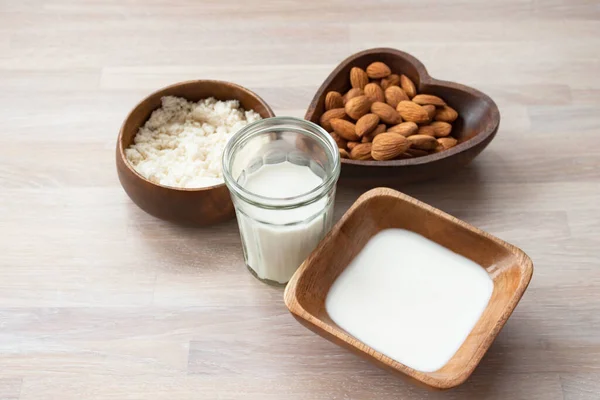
(281, 173)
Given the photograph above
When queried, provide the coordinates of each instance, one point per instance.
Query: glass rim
(268, 124)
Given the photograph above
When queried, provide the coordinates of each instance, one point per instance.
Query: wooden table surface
(100, 301)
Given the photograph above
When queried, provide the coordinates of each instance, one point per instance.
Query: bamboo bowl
(203, 206)
(509, 267)
(475, 127)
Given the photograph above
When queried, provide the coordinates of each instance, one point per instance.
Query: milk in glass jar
(281, 173)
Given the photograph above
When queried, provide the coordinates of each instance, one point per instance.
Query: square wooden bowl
(508, 266)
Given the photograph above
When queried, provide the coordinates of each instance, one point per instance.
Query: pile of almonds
(383, 117)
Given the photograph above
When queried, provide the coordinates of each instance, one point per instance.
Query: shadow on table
(355, 376)
(185, 249)
(455, 193)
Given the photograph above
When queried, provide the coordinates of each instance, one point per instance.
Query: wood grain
(99, 300)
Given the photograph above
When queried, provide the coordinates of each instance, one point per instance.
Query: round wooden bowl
(475, 127)
(198, 207)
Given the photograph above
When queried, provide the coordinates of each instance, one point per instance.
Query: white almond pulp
(182, 143)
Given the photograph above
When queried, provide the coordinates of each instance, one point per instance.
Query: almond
(423, 142)
(446, 114)
(378, 70)
(408, 86)
(358, 78)
(394, 95)
(366, 124)
(333, 100)
(374, 92)
(346, 129)
(341, 142)
(405, 129)
(426, 130)
(352, 145)
(392, 80)
(381, 128)
(424, 99)
(441, 128)
(387, 146)
(386, 113)
(327, 116)
(417, 152)
(361, 151)
(430, 110)
(352, 93)
(412, 112)
(377, 131)
(344, 153)
(358, 106)
(447, 142)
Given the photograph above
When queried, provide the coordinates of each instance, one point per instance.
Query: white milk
(276, 242)
(410, 298)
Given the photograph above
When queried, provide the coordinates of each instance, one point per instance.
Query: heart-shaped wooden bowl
(475, 127)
